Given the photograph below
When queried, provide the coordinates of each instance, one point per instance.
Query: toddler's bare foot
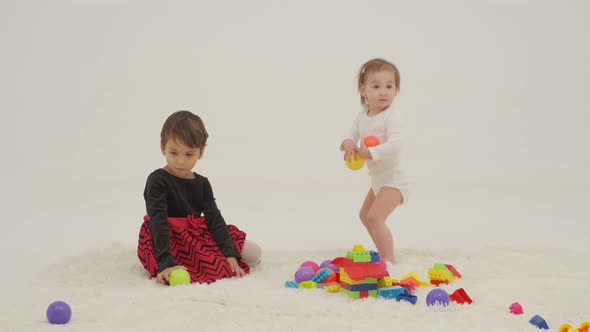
(389, 267)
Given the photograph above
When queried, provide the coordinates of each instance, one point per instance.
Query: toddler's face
(181, 158)
(379, 89)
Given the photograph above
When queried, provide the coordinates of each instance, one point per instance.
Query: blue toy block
(359, 287)
(539, 322)
(391, 292)
(407, 297)
(375, 257)
(322, 275)
(291, 284)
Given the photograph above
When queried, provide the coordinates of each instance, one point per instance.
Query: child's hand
(235, 267)
(365, 153)
(164, 276)
(350, 149)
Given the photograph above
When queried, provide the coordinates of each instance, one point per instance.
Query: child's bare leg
(385, 202)
(364, 213)
(251, 253)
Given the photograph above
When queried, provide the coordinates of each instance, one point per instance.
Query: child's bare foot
(389, 266)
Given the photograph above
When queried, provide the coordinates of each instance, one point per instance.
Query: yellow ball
(355, 164)
(179, 277)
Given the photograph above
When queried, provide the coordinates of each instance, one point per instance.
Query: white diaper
(391, 179)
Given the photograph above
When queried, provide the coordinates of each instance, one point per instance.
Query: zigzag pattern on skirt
(193, 246)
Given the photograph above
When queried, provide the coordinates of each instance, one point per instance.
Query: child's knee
(364, 217)
(373, 220)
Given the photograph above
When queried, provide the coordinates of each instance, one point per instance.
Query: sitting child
(183, 227)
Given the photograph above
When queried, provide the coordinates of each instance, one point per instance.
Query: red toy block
(460, 296)
(363, 294)
(407, 285)
(438, 282)
(453, 271)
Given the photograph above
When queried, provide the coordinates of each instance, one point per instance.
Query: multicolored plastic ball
(355, 164)
(437, 296)
(314, 266)
(332, 277)
(325, 263)
(304, 273)
(179, 277)
(59, 312)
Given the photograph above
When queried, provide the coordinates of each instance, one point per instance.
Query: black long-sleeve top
(169, 196)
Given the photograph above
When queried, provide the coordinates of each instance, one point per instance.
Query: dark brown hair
(375, 65)
(185, 127)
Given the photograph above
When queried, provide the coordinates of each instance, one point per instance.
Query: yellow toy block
(344, 277)
(358, 247)
(411, 274)
(386, 282)
(308, 284)
(414, 278)
(439, 275)
(332, 289)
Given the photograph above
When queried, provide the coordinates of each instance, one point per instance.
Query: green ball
(179, 277)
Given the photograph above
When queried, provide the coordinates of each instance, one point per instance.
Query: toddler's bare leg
(364, 213)
(385, 202)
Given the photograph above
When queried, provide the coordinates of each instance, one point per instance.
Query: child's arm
(393, 138)
(348, 144)
(216, 223)
(156, 199)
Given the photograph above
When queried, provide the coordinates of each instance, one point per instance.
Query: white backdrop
(493, 92)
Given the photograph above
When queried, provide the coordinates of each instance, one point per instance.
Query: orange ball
(370, 141)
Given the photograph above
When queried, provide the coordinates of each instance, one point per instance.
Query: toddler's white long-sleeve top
(386, 126)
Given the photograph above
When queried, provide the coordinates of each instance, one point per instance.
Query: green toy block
(440, 266)
(357, 295)
(359, 256)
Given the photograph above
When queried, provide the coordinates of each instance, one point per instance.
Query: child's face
(181, 158)
(379, 89)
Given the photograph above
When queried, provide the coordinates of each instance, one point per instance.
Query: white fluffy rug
(108, 291)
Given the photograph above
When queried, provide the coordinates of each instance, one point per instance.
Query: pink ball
(304, 273)
(313, 265)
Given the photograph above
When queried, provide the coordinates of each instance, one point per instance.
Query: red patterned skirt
(193, 246)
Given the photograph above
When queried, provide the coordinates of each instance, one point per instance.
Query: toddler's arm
(156, 199)
(217, 225)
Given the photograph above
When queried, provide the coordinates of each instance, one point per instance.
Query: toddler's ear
(162, 149)
(201, 152)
